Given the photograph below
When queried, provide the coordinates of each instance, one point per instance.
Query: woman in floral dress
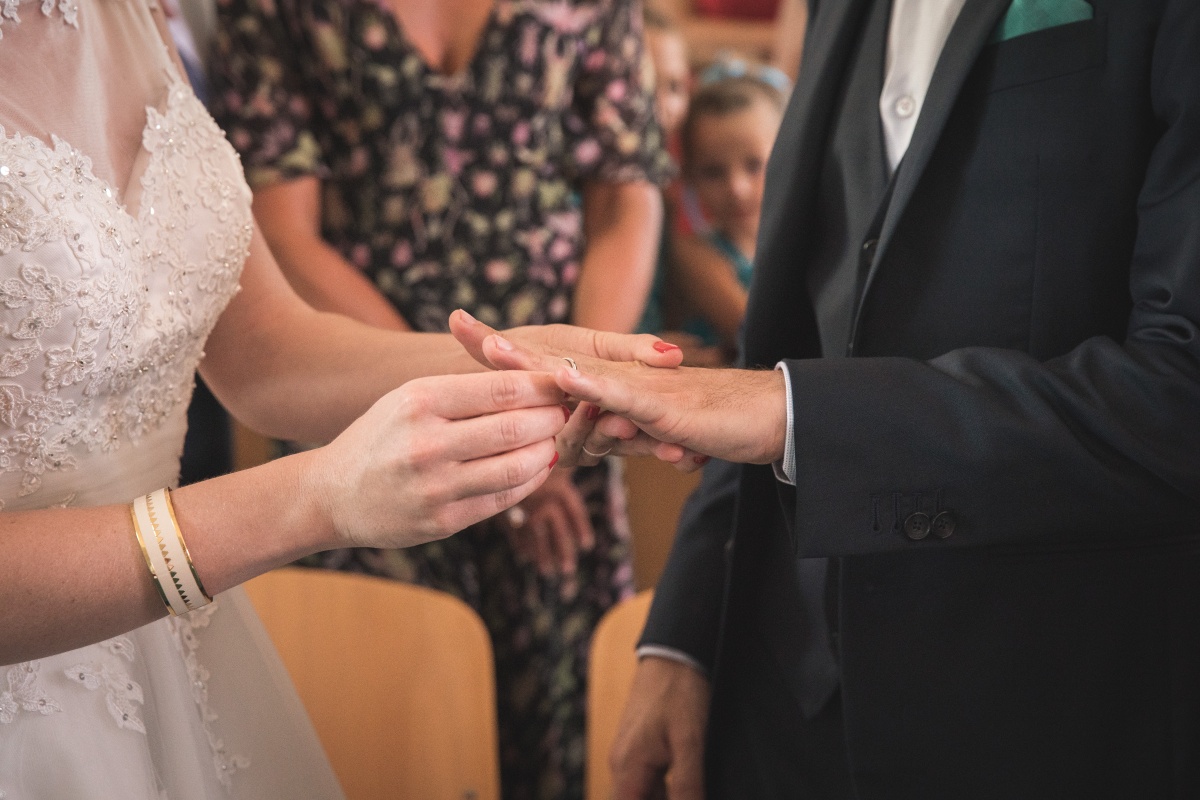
(409, 158)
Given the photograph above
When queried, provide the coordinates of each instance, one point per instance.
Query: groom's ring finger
(595, 455)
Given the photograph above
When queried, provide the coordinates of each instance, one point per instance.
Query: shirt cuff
(671, 654)
(785, 470)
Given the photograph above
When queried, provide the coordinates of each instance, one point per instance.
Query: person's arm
(289, 214)
(421, 461)
(621, 221)
(424, 461)
(791, 22)
(708, 286)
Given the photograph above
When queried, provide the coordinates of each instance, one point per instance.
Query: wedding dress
(124, 224)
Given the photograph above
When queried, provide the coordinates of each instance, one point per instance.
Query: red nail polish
(665, 347)
(566, 413)
(700, 460)
(553, 461)
(593, 412)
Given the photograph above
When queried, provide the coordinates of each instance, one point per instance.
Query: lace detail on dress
(185, 628)
(104, 313)
(122, 694)
(25, 693)
(68, 8)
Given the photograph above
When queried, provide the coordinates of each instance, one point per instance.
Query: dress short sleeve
(258, 92)
(613, 132)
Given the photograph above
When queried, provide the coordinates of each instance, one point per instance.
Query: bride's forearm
(309, 380)
(291, 372)
(425, 461)
(70, 577)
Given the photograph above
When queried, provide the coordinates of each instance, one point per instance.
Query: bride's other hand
(550, 343)
(733, 414)
(436, 455)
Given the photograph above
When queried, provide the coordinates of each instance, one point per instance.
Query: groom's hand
(734, 414)
(660, 741)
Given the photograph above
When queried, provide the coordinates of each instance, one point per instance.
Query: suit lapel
(967, 38)
(778, 328)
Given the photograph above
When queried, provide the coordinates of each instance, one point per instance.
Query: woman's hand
(551, 527)
(437, 455)
(548, 344)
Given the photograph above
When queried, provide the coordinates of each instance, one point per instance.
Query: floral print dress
(461, 191)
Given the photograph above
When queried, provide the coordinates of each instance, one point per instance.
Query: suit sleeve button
(916, 527)
(943, 524)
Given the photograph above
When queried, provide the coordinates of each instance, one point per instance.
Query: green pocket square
(1029, 16)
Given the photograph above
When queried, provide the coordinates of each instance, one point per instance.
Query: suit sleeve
(1100, 446)
(686, 612)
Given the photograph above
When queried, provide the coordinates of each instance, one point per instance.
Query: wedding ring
(570, 362)
(516, 517)
(595, 455)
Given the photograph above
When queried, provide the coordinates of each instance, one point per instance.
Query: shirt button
(905, 106)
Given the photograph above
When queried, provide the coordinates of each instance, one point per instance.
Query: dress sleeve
(259, 90)
(612, 131)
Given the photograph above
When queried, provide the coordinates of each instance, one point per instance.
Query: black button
(943, 524)
(916, 527)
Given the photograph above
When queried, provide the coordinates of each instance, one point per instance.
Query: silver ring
(570, 362)
(595, 455)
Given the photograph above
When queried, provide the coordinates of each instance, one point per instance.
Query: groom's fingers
(609, 390)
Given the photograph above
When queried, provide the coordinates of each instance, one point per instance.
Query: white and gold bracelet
(166, 554)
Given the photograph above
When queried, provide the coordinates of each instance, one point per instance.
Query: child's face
(727, 165)
(671, 77)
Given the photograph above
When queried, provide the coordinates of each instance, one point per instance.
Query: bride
(128, 254)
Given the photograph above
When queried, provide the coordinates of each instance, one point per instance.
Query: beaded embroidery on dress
(106, 299)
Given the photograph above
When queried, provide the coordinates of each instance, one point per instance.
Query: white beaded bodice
(104, 307)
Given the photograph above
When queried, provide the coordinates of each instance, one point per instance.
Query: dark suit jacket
(1026, 356)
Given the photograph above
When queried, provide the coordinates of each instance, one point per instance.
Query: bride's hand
(437, 455)
(548, 344)
(732, 414)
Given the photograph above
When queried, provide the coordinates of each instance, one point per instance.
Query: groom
(974, 569)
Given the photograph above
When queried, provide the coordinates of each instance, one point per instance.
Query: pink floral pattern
(429, 179)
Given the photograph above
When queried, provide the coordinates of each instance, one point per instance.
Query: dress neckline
(118, 201)
(428, 69)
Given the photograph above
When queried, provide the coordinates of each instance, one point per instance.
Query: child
(726, 138)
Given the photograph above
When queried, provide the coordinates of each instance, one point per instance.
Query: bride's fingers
(499, 476)
(505, 354)
(470, 333)
(478, 507)
(465, 396)
(493, 434)
(644, 347)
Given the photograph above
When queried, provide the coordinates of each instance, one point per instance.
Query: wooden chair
(398, 681)
(655, 493)
(610, 674)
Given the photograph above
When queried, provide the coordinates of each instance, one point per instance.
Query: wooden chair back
(610, 674)
(398, 681)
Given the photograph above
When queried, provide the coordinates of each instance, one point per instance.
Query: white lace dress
(124, 224)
